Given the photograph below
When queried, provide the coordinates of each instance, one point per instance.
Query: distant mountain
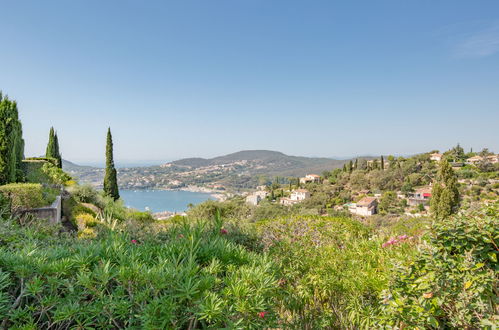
(239, 170)
(265, 162)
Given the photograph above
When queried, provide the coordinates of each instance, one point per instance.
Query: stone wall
(52, 213)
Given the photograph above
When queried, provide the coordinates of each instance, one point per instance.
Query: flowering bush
(332, 270)
(453, 282)
(187, 276)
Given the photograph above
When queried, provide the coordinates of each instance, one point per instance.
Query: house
(256, 197)
(300, 194)
(297, 196)
(494, 159)
(314, 178)
(421, 195)
(436, 157)
(366, 206)
(478, 159)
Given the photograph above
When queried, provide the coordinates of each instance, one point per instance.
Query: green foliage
(52, 150)
(453, 282)
(331, 270)
(110, 180)
(43, 170)
(139, 216)
(28, 195)
(445, 192)
(187, 276)
(11, 142)
(389, 203)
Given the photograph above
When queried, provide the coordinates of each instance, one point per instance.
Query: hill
(240, 170)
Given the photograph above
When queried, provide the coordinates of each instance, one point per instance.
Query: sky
(177, 79)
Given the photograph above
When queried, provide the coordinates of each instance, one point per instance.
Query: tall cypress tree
(356, 163)
(445, 192)
(57, 152)
(382, 163)
(350, 166)
(110, 180)
(52, 150)
(11, 142)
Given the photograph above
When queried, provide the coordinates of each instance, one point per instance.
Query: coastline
(217, 195)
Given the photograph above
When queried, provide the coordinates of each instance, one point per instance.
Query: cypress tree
(110, 180)
(382, 163)
(350, 166)
(356, 163)
(11, 142)
(52, 150)
(57, 152)
(445, 192)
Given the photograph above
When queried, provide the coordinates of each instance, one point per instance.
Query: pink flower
(223, 231)
(403, 237)
(134, 241)
(262, 314)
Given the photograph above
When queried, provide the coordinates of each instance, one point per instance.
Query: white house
(256, 197)
(436, 157)
(297, 196)
(366, 206)
(310, 178)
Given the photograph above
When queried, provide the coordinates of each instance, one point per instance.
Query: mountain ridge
(239, 170)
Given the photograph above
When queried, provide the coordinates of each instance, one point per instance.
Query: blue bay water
(162, 200)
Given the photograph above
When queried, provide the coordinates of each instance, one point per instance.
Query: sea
(162, 200)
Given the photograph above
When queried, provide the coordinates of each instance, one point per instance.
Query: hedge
(28, 195)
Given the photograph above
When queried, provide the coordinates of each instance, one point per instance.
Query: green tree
(52, 150)
(445, 192)
(388, 202)
(11, 142)
(110, 180)
(382, 163)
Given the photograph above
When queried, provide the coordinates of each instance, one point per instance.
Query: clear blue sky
(203, 78)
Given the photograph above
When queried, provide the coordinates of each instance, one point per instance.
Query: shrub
(28, 195)
(453, 283)
(331, 270)
(139, 216)
(188, 276)
(42, 170)
(85, 194)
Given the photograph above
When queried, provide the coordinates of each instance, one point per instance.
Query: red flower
(223, 231)
(262, 314)
(134, 241)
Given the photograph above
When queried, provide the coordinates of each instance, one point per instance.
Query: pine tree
(445, 192)
(110, 180)
(382, 163)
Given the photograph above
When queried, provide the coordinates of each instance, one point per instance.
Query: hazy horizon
(204, 79)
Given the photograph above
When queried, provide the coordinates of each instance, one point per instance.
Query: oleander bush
(187, 276)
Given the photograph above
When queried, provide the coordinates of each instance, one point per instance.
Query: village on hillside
(414, 202)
